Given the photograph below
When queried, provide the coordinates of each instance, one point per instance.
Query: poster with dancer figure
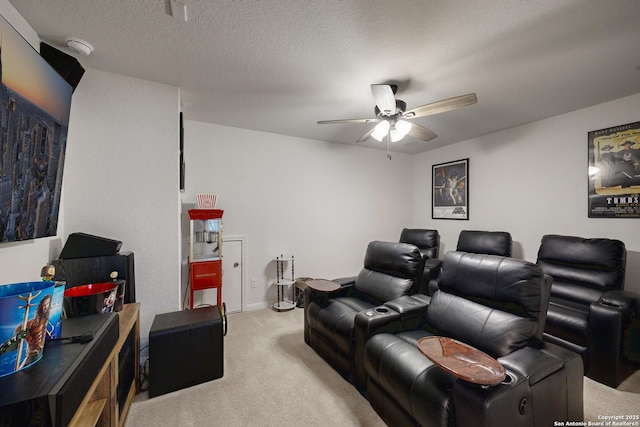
(614, 172)
(450, 191)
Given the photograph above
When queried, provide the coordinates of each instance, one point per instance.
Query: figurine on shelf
(47, 272)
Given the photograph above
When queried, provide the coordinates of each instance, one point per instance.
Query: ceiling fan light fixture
(381, 130)
(401, 129)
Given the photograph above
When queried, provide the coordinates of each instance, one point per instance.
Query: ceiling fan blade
(366, 136)
(442, 106)
(420, 132)
(385, 100)
(325, 122)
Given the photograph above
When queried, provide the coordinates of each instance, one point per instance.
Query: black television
(34, 118)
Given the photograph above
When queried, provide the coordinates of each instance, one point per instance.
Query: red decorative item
(205, 252)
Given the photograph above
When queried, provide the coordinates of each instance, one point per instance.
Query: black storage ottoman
(185, 349)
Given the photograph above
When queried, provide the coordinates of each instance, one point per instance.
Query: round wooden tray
(322, 285)
(462, 360)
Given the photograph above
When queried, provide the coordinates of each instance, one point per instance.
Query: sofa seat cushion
(420, 387)
(568, 321)
(335, 319)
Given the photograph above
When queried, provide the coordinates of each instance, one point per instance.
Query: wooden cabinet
(83, 383)
(110, 396)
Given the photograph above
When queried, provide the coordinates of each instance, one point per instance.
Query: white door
(232, 273)
(232, 277)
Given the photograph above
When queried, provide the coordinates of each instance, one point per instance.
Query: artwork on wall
(450, 192)
(35, 103)
(614, 172)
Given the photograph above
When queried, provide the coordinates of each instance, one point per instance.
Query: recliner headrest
(485, 242)
(393, 258)
(597, 262)
(427, 241)
(390, 270)
(513, 285)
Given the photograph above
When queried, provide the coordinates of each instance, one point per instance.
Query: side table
(282, 285)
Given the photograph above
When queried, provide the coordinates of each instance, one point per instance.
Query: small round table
(462, 360)
(323, 285)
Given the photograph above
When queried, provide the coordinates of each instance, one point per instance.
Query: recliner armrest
(622, 300)
(542, 385)
(366, 324)
(430, 276)
(608, 319)
(401, 314)
(532, 363)
(343, 281)
(409, 305)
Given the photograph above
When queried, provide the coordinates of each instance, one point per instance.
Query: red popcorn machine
(205, 252)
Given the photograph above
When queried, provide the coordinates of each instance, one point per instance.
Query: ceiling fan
(392, 115)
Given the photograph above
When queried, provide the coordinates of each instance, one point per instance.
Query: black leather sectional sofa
(497, 304)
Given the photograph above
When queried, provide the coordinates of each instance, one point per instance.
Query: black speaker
(66, 65)
(185, 349)
(83, 245)
(80, 271)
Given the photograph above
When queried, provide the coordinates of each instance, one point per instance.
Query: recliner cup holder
(508, 379)
(382, 310)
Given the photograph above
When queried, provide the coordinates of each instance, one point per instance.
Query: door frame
(243, 269)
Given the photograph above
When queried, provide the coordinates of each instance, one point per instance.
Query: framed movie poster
(614, 172)
(450, 193)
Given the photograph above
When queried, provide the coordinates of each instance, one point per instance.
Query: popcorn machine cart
(205, 252)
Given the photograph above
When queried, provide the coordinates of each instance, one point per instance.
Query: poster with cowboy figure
(614, 172)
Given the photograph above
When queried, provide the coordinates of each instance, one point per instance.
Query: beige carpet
(272, 378)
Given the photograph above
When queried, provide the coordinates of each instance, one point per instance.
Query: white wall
(121, 179)
(532, 180)
(321, 202)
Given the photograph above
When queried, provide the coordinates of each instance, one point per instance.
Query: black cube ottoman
(185, 349)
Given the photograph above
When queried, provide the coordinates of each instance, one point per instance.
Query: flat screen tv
(35, 102)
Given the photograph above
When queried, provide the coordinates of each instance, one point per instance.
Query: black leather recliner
(390, 270)
(497, 305)
(428, 242)
(589, 312)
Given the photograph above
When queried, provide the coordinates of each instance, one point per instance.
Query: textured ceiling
(280, 65)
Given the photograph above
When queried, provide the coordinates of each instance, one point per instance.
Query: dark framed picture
(450, 190)
(614, 172)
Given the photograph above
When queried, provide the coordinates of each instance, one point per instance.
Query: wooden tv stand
(101, 406)
(79, 383)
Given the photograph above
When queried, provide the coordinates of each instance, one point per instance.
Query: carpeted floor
(272, 378)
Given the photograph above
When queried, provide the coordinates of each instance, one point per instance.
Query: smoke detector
(79, 46)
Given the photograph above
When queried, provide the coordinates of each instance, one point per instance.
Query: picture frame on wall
(614, 171)
(450, 190)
